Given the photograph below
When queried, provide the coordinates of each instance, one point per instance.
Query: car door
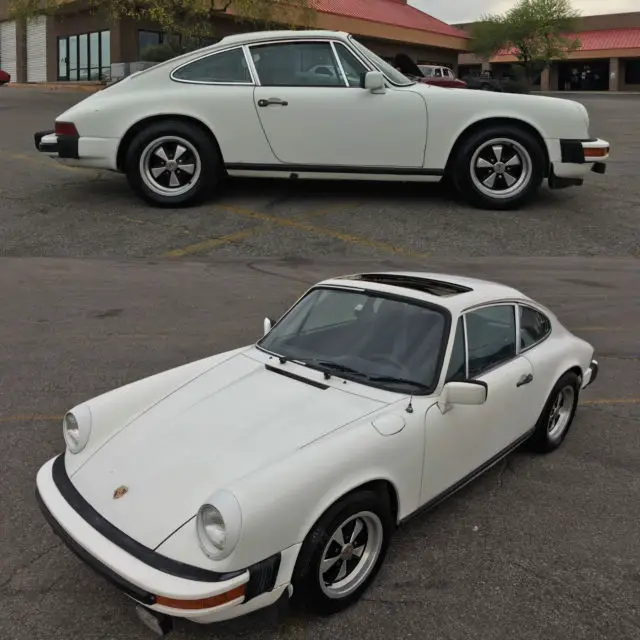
(327, 120)
(467, 438)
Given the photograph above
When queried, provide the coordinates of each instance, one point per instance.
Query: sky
(455, 11)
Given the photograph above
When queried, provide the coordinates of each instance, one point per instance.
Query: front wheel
(498, 168)
(172, 164)
(343, 552)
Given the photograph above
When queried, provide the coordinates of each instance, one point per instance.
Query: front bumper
(578, 158)
(151, 579)
(590, 374)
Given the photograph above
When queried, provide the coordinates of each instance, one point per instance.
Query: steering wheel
(381, 357)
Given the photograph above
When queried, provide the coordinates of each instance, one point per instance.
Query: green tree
(191, 19)
(536, 31)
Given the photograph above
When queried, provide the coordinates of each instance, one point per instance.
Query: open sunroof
(426, 285)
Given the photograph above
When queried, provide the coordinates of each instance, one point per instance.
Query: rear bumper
(151, 579)
(590, 374)
(62, 146)
(95, 153)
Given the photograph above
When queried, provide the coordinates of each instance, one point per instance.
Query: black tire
(514, 141)
(545, 439)
(201, 153)
(308, 591)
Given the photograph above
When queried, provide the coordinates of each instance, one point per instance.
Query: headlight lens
(76, 428)
(213, 530)
(218, 523)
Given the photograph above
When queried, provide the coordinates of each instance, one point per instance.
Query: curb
(48, 86)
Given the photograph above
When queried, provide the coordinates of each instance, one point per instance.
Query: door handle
(265, 103)
(525, 379)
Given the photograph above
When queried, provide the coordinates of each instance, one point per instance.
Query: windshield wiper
(328, 367)
(393, 379)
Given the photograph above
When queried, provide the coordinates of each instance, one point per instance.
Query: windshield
(361, 335)
(391, 72)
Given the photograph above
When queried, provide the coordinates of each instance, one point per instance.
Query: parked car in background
(441, 76)
(5, 78)
(505, 83)
(282, 468)
(248, 106)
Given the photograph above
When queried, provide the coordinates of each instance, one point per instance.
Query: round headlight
(212, 530)
(76, 428)
(218, 534)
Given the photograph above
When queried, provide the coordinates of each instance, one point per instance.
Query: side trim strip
(125, 542)
(311, 168)
(469, 478)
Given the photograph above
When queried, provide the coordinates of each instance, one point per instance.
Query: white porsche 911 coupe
(281, 469)
(319, 105)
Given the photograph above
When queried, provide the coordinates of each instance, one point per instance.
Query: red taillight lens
(66, 129)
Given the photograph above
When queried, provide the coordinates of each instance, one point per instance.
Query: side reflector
(203, 603)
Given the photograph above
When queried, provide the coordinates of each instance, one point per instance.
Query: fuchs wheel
(343, 552)
(557, 416)
(172, 164)
(501, 167)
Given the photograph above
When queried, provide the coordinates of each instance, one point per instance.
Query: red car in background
(441, 76)
(427, 73)
(5, 78)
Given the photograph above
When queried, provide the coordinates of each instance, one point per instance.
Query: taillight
(66, 129)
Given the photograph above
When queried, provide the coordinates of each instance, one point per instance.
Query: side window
(226, 66)
(534, 326)
(446, 73)
(295, 64)
(457, 371)
(491, 337)
(353, 68)
(438, 73)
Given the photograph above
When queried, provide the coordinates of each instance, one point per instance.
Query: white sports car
(218, 487)
(319, 105)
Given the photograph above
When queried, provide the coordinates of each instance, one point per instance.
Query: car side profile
(247, 106)
(281, 469)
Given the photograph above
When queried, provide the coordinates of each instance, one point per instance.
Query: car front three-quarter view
(319, 105)
(281, 469)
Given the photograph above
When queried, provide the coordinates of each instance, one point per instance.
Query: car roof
(454, 292)
(257, 36)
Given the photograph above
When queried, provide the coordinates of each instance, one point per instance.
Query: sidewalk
(87, 87)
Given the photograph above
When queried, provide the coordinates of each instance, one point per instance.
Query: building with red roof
(608, 58)
(77, 45)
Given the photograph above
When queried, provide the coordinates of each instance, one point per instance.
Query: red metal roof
(391, 12)
(603, 40)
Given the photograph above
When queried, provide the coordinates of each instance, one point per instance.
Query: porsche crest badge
(119, 492)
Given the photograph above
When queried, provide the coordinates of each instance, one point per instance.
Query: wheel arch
(478, 125)
(138, 126)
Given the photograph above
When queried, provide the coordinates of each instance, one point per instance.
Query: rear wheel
(172, 164)
(557, 416)
(500, 167)
(343, 552)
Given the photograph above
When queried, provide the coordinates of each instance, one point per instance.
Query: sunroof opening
(426, 285)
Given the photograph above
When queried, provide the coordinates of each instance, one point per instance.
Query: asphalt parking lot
(98, 290)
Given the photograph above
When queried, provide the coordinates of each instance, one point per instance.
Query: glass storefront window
(85, 56)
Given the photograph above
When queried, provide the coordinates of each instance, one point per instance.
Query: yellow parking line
(212, 243)
(606, 401)
(603, 329)
(30, 418)
(330, 233)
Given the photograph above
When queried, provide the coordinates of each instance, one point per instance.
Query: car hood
(235, 419)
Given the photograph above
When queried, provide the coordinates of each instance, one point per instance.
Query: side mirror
(469, 393)
(373, 81)
(266, 325)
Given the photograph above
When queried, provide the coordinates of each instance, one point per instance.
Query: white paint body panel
(37, 49)
(8, 48)
(285, 449)
(412, 127)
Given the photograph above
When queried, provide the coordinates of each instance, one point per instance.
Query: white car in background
(247, 106)
(282, 468)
